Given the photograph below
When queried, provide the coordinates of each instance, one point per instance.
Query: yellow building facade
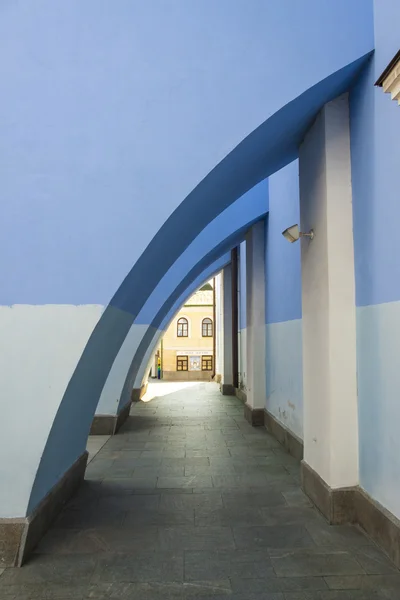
(187, 348)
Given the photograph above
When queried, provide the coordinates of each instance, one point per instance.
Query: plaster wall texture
(328, 299)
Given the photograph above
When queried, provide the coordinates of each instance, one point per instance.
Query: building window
(207, 328)
(182, 328)
(206, 363)
(181, 363)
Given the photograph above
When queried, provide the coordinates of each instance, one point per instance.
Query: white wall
(32, 340)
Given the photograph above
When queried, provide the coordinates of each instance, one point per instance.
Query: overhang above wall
(389, 80)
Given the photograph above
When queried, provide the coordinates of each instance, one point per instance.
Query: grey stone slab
(296, 497)
(71, 541)
(209, 470)
(222, 516)
(208, 452)
(341, 536)
(388, 585)
(168, 453)
(212, 565)
(229, 480)
(282, 536)
(56, 568)
(158, 471)
(88, 517)
(178, 502)
(374, 561)
(246, 500)
(129, 502)
(290, 515)
(195, 538)
(141, 567)
(314, 563)
(119, 473)
(186, 462)
(159, 591)
(333, 595)
(160, 518)
(137, 539)
(130, 483)
(191, 481)
(45, 591)
(149, 462)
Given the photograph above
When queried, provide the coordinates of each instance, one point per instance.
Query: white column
(255, 317)
(227, 371)
(328, 296)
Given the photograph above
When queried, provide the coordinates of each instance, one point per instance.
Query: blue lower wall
(284, 372)
(378, 351)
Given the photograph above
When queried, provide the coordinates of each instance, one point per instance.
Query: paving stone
(178, 502)
(159, 471)
(203, 566)
(342, 536)
(281, 536)
(374, 561)
(308, 562)
(387, 583)
(140, 567)
(186, 462)
(208, 452)
(208, 470)
(229, 480)
(291, 516)
(154, 591)
(134, 482)
(191, 481)
(296, 497)
(245, 500)
(54, 568)
(195, 538)
(211, 515)
(130, 502)
(89, 517)
(160, 518)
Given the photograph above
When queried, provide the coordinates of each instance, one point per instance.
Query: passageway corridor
(190, 501)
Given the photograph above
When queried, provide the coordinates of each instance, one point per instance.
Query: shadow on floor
(189, 501)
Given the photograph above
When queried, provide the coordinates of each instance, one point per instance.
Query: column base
(227, 389)
(138, 393)
(337, 505)
(19, 536)
(217, 378)
(241, 395)
(255, 416)
(353, 505)
(292, 444)
(110, 424)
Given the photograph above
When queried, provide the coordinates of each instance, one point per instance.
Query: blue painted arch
(267, 149)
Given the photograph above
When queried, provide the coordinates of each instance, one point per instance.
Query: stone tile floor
(189, 502)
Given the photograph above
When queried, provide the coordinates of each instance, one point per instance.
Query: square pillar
(227, 387)
(255, 322)
(330, 465)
